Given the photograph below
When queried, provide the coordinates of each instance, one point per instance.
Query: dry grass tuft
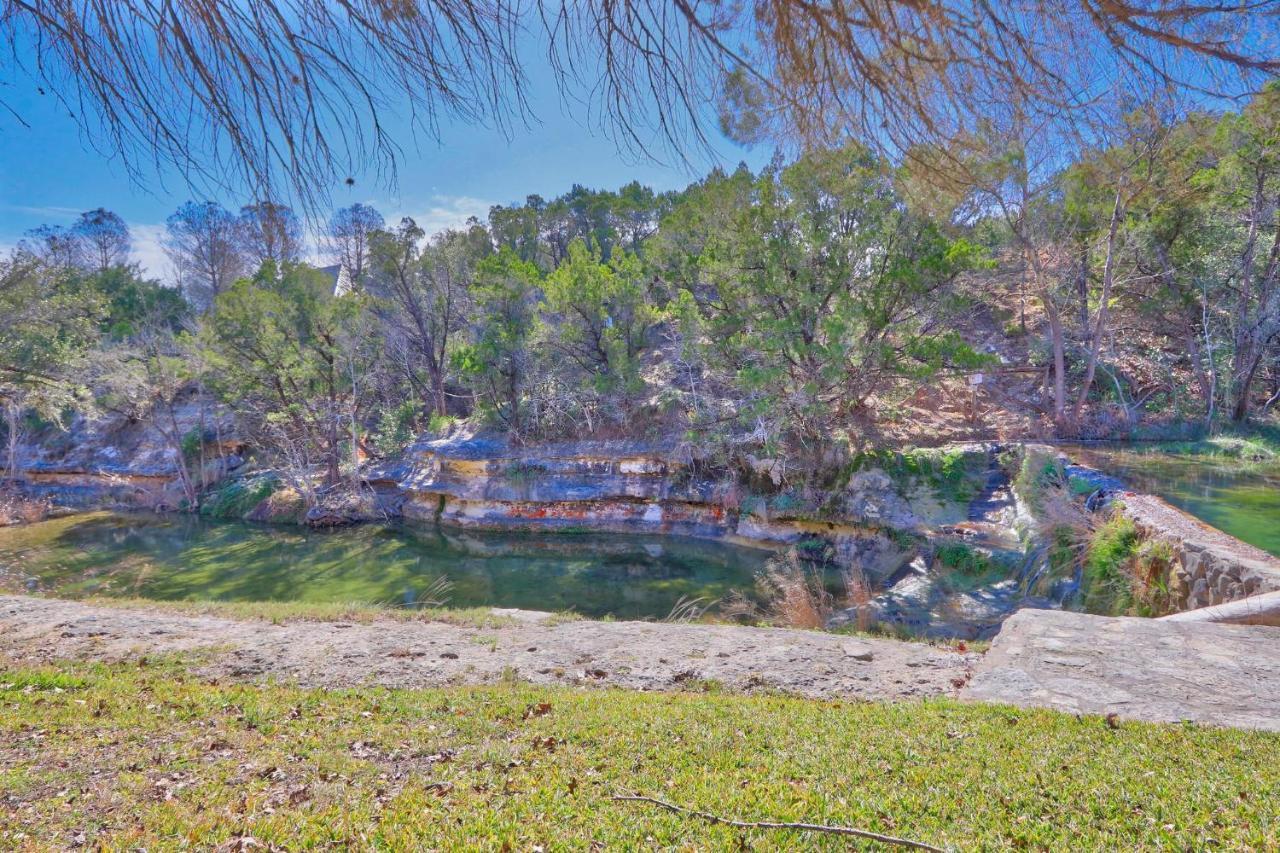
(16, 508)
(795, 593)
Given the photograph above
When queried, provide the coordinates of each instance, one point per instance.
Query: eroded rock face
(112, 461)
(634, 487)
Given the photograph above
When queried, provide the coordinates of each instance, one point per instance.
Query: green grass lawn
(153, 756)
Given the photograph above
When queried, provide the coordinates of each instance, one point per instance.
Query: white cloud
(441, 212)
(44, 212)
(148, 250)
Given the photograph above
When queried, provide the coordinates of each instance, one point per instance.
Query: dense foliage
(791, 312)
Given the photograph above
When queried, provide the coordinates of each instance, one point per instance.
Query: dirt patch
(634, 655)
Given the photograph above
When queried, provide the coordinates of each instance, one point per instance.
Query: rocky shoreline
(1139, 669)
(882, 524)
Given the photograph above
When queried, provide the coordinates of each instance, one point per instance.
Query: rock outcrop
(111, 461)
(651, 487)
(1147, 669)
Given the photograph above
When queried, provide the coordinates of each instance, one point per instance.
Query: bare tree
(103, 239)
(202, 241)
(424, 300)
(270, 232)
(290, 95)
(57, 246)
(349, 232)
(98, 240)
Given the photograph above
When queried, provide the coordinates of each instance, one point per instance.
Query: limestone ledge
(124, 486)
(81, 490)
(622, 487)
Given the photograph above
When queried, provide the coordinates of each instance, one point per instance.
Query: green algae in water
(1242, 500)
(185, 558)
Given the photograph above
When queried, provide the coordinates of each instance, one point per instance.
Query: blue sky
(52, 171)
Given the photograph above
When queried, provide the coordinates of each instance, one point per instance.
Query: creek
(184, 558)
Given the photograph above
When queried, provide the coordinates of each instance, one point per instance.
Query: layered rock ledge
(635, 487)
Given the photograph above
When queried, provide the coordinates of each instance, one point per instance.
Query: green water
(1243, 500)
(175, 557)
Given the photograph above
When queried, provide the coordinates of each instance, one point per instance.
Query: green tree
(1249, 190)
(134, 303)
(823, 292)
(601, 316)
(280, 354)
(497, 360)
(50, 323)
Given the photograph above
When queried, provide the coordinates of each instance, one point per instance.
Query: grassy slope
(132, 756)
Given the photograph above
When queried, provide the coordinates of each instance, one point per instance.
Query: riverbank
(1143, 669)
(521, 646)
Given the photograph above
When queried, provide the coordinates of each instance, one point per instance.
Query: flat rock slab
(1144, 669)
(395, 653)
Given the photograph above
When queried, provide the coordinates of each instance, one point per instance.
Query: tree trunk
(333, 455)
(438, 402)
(1059, 362)
(1108, 278)
(1197, 364)
(11, 412)
(1244, 387)
(1082, 288)
(180, 459)
(1243, 360)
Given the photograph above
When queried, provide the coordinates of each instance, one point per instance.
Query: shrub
(192, 442)
(1080, 487)
(962, 558)
(794, 592)
(524, 472)
(396, 428)
(1038, 474)
(948, 471)
(236, 498)
(1108, 585)
(1151, 565)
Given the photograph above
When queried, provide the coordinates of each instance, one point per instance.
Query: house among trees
(342, 283)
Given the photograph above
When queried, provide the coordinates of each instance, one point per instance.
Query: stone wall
(1209, 567)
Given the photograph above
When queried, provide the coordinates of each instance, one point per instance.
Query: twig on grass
(806, 827)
